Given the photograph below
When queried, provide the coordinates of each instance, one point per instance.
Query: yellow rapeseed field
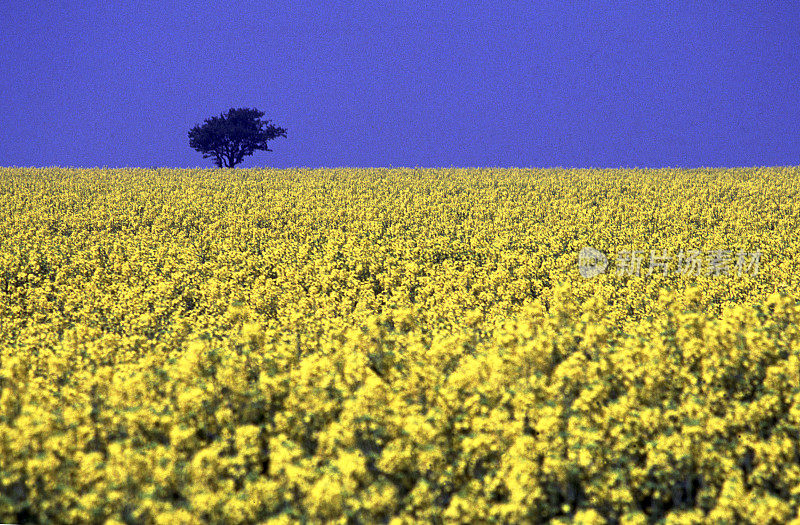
(399, 345)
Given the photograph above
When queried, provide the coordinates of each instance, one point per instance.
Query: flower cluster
(242, 346)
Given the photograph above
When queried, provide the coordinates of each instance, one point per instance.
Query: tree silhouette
(230, 137)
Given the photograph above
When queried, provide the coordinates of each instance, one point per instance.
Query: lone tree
(230, 137)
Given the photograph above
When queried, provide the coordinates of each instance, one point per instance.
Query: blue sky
(416, 84)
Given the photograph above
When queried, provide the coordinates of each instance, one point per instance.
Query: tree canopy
(232, 136)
